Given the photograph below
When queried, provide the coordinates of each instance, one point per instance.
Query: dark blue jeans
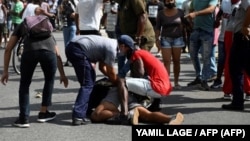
(86, 76)
(29, 61)
(123, 65)
(239, 61)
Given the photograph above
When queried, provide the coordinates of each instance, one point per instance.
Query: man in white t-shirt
(88, 16)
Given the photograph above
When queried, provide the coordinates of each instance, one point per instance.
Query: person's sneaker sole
(134, 119)
(216, 86)
(178, 119)
(43, 117)
(45, 120)
(227, 97)
(21, 125)
(79, 121)
(39, 95)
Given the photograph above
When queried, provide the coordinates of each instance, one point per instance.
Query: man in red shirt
(148, 74)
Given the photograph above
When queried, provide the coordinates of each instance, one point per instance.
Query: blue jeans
(69, 32)
(221, 56)
(239, 61)
(86, 77)
(213, 66)
(203, 41)
(123, 66)
(29, 61)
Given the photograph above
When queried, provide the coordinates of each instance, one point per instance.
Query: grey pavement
(199, 108)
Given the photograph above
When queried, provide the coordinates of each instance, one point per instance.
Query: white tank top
(29, 10)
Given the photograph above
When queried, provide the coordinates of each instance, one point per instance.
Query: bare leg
(155, 117)
(104, 111)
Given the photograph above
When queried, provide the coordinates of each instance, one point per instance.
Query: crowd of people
(133, 28)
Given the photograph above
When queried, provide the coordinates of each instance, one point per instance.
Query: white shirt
(90, 14)
(29, 10)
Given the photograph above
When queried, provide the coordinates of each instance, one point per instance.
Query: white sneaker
(39, 95)
(227, 96)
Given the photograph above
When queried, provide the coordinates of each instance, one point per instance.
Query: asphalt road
(198, 107)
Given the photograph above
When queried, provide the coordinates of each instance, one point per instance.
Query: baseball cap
(127, 40)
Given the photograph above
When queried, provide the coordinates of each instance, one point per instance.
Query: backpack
(38, 27)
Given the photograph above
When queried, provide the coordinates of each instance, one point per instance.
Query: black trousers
(239, 62)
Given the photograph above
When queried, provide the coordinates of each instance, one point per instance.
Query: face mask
(170, 5)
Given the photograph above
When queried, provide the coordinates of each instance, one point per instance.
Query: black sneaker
(204, 86)
(217, 84)
(23, 123)
(195, 82)
(232, 107)
(43, 117)
(145, 101)
(156, 105)
(80, 121)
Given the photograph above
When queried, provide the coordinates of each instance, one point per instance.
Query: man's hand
(246, 32)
